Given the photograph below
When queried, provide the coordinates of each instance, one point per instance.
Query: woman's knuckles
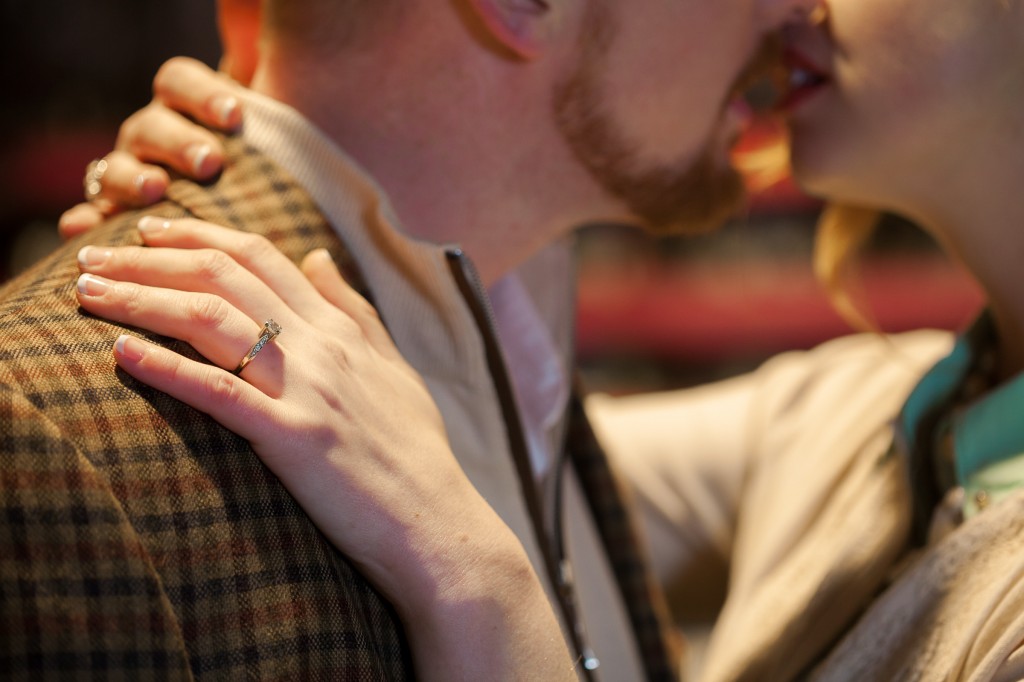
(206, 311)
(221, 388)
(212, 265)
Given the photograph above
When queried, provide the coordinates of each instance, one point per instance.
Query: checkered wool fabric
(140, 540)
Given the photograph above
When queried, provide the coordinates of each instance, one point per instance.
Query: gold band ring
(93, 181)
(267, 334)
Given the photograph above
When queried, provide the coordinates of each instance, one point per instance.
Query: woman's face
(889, 97)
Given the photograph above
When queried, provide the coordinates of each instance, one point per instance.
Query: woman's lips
(803, 80)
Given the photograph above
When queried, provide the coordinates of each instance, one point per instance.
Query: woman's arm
(346, 424)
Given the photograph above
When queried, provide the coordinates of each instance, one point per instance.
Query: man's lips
(803, 79)
(738, 113)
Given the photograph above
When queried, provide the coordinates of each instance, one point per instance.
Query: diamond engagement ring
(267, 334)
(93, 182)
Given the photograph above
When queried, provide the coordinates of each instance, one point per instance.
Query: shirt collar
(986, 429)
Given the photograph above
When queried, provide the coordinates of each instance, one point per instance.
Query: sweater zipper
(551, 543)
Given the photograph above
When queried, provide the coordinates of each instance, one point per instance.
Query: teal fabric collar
(986, 430)
(990, 430)
(936, 388)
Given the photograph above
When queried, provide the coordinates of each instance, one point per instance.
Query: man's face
(647, 110)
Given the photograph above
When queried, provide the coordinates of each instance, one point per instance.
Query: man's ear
(520, 26)
(239, 25)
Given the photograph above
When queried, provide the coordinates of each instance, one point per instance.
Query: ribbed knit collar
(954, 419)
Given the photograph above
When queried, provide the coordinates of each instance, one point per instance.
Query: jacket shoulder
(110, 613)
(256, 589)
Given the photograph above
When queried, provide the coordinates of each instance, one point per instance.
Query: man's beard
(688, 197)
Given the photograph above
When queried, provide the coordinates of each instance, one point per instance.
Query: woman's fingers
(321, 270)
(157, 134)
(127, 182)
(217, 330)
(124, 182)
(206, 271)
(80, 218)
(235, 404)
(190, 87)
(160, 133)
(254, 253)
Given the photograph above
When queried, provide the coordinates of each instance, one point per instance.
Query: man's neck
(461, 161)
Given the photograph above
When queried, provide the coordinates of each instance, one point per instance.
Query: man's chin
(690, 196)
(701, 201)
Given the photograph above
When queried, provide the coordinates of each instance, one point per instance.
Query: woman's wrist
(478, 609)
(453, 553)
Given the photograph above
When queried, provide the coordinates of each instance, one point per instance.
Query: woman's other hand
(162, 134)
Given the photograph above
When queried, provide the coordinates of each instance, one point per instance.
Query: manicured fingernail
(104, 206)
(146, 186)
(197, 155)
(91, 285)
(92, 256)
(130, 348)
(322, 255)
(226, 107)
(151, 224)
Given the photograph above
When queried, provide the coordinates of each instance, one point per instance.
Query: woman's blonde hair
(842, 232)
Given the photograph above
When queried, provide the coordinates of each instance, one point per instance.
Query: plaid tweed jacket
(139, 539)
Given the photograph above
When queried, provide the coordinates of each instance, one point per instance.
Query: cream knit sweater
(786, 476)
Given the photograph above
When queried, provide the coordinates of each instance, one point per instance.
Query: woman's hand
(346, 424)
(330, 391)
(161, 135)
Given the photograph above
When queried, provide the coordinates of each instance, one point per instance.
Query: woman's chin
(822, 183)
